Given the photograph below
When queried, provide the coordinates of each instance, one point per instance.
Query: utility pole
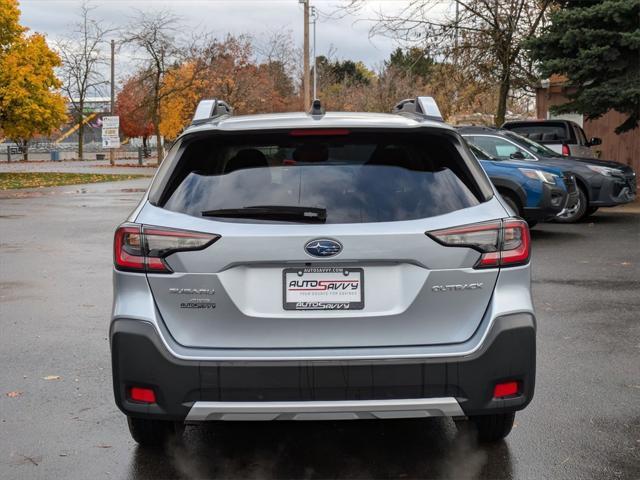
(314, 14)
(307, 93)
(455, 47)
(112, 153)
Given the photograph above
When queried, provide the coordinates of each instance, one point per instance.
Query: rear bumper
(197, 390)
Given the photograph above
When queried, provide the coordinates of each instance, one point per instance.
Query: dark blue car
(601, 183)
(535, 192)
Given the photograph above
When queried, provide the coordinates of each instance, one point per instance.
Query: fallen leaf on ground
(14, 394)
(32, 460)
(52, 377)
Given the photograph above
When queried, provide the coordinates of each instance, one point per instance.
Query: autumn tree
(181, 91)
(82, 60)
(133, 108)
(155, 36)
(229, 70)
(29, 100)
(279, 59)
(483, 37)
(10, 28)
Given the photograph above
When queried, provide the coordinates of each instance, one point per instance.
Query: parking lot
(58, 418)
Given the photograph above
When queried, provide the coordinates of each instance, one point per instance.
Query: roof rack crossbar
(423, 107)
(210, 108)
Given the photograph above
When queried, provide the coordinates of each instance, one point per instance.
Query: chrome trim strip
(325, 410)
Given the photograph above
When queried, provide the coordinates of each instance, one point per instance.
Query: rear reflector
(506, 389)
(502, 243)
(143, 249)
(319, 132)
(144, 395)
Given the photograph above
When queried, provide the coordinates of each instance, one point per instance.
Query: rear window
(358, 177)
(541, 132)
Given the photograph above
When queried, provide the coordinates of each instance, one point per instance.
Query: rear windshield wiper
(272, 212)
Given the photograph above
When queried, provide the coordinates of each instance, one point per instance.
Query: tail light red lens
(502, 243)
(143, 249)
(565, 150)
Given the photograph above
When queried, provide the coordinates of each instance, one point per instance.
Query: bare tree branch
(484, 38)
(82, 63)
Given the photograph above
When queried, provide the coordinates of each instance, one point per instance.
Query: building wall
(624, 148)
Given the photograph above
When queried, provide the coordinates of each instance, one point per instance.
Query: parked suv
(534, 192)
(321, 266)
(562, 136)
(601, 183)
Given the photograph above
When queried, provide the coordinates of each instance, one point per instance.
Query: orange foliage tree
(133, 108)
(231, 73)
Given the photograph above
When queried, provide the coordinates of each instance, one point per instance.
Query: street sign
(110, 142)
(110, 132)
(111, 122)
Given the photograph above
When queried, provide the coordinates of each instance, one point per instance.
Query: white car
(562, 136)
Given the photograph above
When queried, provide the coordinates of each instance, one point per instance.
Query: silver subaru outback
(321, 266)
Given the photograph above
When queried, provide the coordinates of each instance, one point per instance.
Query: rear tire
(153, 433)
(512, 203)
(516, 208)
(493, 428)
(577, 211)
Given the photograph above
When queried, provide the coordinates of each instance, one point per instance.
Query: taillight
(138, 248)
(503, 243)
(565, 150)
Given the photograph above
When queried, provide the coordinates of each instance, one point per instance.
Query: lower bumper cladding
(328, 410)
(198, 390)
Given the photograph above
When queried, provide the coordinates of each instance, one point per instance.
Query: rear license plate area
(323, 288)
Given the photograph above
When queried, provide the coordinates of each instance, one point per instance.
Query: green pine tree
(596, 45)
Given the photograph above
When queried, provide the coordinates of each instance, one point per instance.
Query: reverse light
(502, 243)
(506, 389)
(138, 248)
(142, 395)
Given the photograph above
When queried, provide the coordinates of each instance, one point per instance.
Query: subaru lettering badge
(323, 247)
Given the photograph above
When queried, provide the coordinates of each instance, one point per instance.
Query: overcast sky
(349, 35)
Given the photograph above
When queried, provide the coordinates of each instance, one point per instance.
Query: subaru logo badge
(323, 247)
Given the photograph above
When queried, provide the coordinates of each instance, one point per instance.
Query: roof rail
(210, 108)
(424, 107)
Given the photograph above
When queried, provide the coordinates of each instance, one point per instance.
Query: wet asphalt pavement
(55, 300)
